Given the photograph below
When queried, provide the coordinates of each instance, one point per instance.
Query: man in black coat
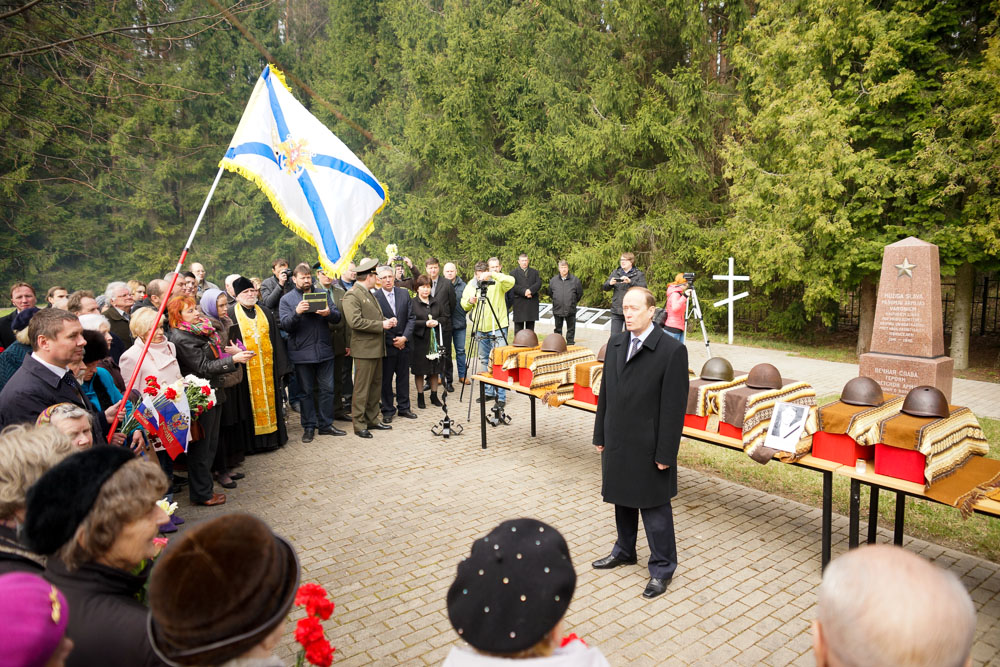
(640, 418)
(621, 280)
(566, 291)
(527, 284)
(44, 378)
(311, 350)
(395, 303)
(442, 291)
(22, 296)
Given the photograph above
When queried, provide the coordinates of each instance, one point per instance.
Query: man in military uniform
(364, 318)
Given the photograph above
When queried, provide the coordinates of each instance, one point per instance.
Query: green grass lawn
(978, 535)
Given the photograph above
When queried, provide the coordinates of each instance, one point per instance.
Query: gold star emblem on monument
(905, 269)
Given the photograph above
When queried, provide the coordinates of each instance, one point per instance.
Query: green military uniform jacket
(364, 319)
(341, 333)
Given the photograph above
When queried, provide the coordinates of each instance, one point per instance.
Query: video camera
(485, 284)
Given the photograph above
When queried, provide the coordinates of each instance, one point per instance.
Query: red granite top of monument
(908, 310)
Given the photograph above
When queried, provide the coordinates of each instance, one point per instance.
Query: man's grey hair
(882, 605)
(231, 278)
(113, 287)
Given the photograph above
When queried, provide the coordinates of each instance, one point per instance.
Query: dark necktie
(70, 381)
(636, 342)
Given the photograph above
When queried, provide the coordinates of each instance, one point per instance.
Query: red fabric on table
(730, 431)
(840, 448)
(694, 421)
(584, 394)
(500, 374)
(899, 463)
(524, 377)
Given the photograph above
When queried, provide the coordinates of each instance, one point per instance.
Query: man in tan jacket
(364, 318)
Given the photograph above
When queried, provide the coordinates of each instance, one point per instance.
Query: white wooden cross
(729, 301)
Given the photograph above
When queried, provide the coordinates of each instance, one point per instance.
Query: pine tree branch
(15, 12)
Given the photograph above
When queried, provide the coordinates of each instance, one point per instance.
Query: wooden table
(902, 489)
(827, 468)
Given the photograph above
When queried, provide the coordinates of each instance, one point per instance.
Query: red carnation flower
(150, 390)
(170, 394)
(320, 653)
(308, 631)
(206, 390)
(211, 404)
(151, 379)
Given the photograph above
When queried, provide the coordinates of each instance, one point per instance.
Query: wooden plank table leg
(855, 519)
(827, 516)
(533, 399)
(897, 532)
(873, 515)
(482, 411)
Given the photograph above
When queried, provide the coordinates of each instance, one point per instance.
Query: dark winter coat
(119, 325)
(566, 293)
(106, 622)
(34, 388)
(309, 339)
(446, 295)
(419, 363)
(458, 320)
(6, 331)
(271, 292)
(197, 356)
(633, 274)
(11, 360)
(525, 309)
(404, 319)
(640, 418)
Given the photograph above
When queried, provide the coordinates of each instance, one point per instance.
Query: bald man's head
(882, 605)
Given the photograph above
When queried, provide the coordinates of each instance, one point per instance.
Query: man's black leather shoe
(609, 562)
(655, 587)
(449, 387)
(332, 430)
(408, 414)
(363, 434)
(380, 427)
(307, 435)
(386, 419)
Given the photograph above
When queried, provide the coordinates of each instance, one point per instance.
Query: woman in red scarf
(200, 353)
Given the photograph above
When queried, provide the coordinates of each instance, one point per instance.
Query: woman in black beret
(95, 515)
(509, 599)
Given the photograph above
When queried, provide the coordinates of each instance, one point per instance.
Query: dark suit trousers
(201, 454)
(367, 385)
(570, 321)
(399, 365)
(343, 387)
(447, 372)
(524, 325)
(659, 525)
(617, 323)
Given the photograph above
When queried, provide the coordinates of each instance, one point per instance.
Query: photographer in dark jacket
(310, 348)
(621, 280)
(566, 291)
(277, 285)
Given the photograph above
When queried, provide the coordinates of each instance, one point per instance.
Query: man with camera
(277, 285)
(621, 280)
(487, 293)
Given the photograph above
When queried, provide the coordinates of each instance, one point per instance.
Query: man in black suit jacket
(527, 284)
(395, 302)
(443, 291)
(44, 379)
(640, 418)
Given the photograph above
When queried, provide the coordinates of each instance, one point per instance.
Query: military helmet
(554, 343)
(764, 376)
(925, 401)
(717, 368)
(525, 338)
(862, 391)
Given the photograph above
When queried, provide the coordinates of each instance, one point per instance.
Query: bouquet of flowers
(433, 349)
(136, 419)
(309, 631)
(199, 393)
(392, 252)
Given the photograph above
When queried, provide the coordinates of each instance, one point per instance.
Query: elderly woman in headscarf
(14, 354)
(95, 515)
(200, 352)
(26, 452)
(256, 328)
(233, 435)
(72, 421)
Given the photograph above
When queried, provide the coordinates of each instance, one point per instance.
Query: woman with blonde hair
(95, 514)
(26, 452)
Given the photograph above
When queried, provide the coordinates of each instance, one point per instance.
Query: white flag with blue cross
(318, 187)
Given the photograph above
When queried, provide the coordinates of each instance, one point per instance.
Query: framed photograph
(787, 422)
(316, 300)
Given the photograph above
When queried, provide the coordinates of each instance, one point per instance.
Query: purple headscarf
(209, 302)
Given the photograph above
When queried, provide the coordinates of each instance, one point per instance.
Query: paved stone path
(382, 523)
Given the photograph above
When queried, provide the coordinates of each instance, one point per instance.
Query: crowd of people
(80, 521)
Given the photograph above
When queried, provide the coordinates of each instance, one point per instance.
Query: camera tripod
(478, 313)
(693, 309)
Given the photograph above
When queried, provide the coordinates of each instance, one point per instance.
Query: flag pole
(163, 305)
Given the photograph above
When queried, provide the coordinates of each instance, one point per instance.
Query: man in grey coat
(640, 418)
